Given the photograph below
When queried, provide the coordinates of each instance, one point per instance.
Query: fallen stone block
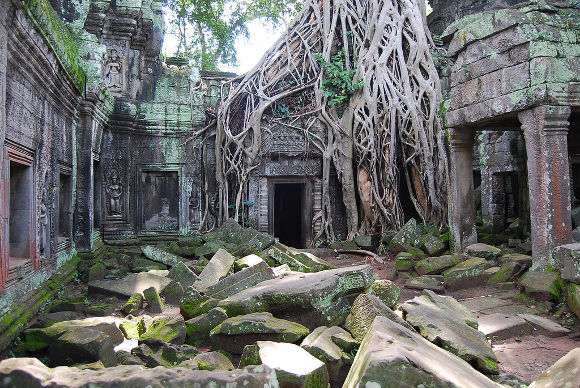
(573, 298)
(193, 303)
(153, 300)
(394, 356)
(173, 293)
(442, 319)
(130, 284)
(235, 333)
(365, 309)
(408, 236)
(331, 346)
(503, 326)
(484, 251)
(426, 282)
(387, 291)
(316, 299)
(198, 328)
(209, 361)
(239, 281)
(567, 259)
(160, 256)
(431, 245)
(30, 372)
(164, 330)
(218, 267)
(436, 265)
(467, 274)
(564, 373)
(247, 261)
(545, 326)
(294, 366)
(134, 304)
(83, 344)
(540, 285)
(182, 274)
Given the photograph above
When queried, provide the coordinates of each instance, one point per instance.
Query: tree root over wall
(384, 131)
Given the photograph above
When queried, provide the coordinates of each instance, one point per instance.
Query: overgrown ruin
(153, 215)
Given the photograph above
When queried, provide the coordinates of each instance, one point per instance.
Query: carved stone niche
(159, 200)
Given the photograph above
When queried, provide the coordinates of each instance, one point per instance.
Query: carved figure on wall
(113, 73)
(43, 218)
(115, 194)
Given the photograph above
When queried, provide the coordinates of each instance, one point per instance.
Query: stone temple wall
(46, 113)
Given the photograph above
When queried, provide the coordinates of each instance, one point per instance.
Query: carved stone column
(461, 198)
(3, 168)
(545, 132)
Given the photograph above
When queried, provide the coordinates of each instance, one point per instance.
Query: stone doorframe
(307, 196)
(545, 130)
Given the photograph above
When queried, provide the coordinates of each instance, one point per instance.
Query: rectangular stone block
(218, 267)
(566, 259)
(241, 280)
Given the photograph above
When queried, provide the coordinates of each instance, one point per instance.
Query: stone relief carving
(114, 190)
(43, 242)
(113, 72)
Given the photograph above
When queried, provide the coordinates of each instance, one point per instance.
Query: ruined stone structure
(516, 70)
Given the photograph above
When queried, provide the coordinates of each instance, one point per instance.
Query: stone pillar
(545, 132)
(3, 168)
(461, 197)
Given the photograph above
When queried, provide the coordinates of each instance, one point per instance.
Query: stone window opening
(20, 226)
(64, 208)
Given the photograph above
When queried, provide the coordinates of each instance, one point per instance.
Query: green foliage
(207, 29)
(338, 84)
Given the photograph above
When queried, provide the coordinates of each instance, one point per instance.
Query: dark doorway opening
(409, 210)
(289, 213)
(64, 207)
(20, 214)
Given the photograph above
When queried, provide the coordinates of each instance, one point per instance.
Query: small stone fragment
(154, 300)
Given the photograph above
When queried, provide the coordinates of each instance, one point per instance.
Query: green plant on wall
(338, 84)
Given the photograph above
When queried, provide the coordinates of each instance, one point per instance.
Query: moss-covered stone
(164, 329)
(153, 300)
(193, 303)
(467, 274)
(436, 265)
(134, 304)
(198, 328)
(387, 292)
(573, 298)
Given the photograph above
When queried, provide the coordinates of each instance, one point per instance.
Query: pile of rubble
(190, 310)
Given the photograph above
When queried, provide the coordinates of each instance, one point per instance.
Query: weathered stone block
(436, 265)
(470, 273)
(161, 256)
(133, 305)
(540, 285)
(241, 280)
(218, 267)
(408, 236)
(164, 329)
(153, 299)
(182, 274)
(566, 259)
(387, 292)
(198, 328)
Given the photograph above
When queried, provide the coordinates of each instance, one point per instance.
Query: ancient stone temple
(530, 84)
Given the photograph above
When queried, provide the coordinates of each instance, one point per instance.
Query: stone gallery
(390, 198)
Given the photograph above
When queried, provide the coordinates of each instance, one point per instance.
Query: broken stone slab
(173, 293)
(426, 282)
(241, 280)
(30, 372)
(294, 366)
(567, 259)
(245, 240)
(161, 256)
(164, 329)
(484, 303)
(431, 245)
(247, 261)
(387, 291)
(408, 236)
(133, 328)
(332, 346)
(365, 309)
(503, 326)
(134, 304)
(153, 300)
(193, 303)
(139, 264)
(40, 338)
(209, 361)
(233, 334)
(182, 274)
(198, 328)
(314, 263)
(130, 284)
(48, 319)
(573, 298)
(394, 356)
(281, 270)
(315, 299)
(564, 373)
(524, 260)
(404, 262)
(436, 265)
(280, 255)
(545, 326)
(83, 344)
(508, 271)
(442, 319)
(485, 251)
(540, 285)
(467, 274)
(218, 267)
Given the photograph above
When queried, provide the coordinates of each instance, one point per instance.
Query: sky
(249, 50)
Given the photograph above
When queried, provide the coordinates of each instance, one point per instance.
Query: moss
(203, 366)
(58, 37)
